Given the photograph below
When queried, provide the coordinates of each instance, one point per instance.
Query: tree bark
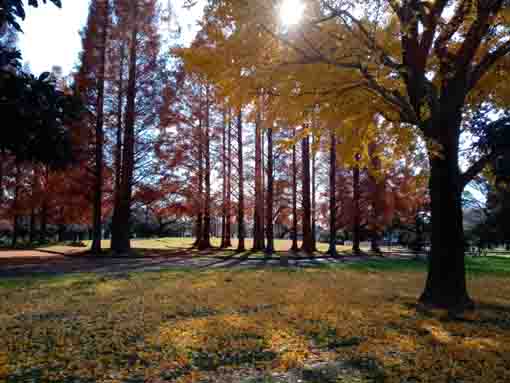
(240, 206)
(356, 229)
(314, 223)
(200, 214)
(294, 247)
(258, 214)
(205, 242)
(122, 213)
(228, 223)
(307, 245)
(98, 184)
(118, 138)
(269, 194)
(15, 223)
(332, 196)
(224, 183)
(446, 280)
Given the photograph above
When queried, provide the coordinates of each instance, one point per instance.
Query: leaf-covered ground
(263, 325)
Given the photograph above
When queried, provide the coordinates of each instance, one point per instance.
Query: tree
(332, 195)
(146, 74)
(269, 193)
(307, 245)
(240, 203)
(423, 65)
(258, 221)
(34, 110)
(91, 78)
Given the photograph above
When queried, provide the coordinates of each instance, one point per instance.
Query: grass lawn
(179, 243)
(252, 326)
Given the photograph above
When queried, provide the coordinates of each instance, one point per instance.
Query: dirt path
(62, 260)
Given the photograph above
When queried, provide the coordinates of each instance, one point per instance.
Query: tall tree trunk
(122, 214)
(314, 202)
(43, 233)
(228, 222)
(356, 228)
(98, 182)
(378, 185)
(206, 235)
(118, 138)
(224, 183)
(307, 245)
(332, 196)
(15, 222)
(294, 247)
(258, 219)
(269, 195)
(446, 280)
(200, 215)
(240, 206)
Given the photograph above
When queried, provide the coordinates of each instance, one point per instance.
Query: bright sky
(52, 35)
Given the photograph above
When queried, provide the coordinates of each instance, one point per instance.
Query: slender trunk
(307, 245)
(294, 247)
(356, 229)
(15, 223)
(228, 223)
(122, 214)
(31, 233)
(206, 234)
(44, 209)
(376, 201)
(224, 184)
(258, 219)
(446, 280)
(332, 196)
(118, 143)
(240, 206)
(2, 159)
(314, 223)
(98, 184)
(200, 215)
(269, 202)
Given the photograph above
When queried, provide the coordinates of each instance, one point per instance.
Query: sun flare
(291, 12)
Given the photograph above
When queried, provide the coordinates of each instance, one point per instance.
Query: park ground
(174, 314)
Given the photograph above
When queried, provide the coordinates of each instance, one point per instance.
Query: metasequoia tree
(142, 99)
(91, 79)
(419, 63)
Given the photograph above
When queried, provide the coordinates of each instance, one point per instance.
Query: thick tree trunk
(122, 213)
(446, 280)
(228, 223)
(258, 214)
(332, 196)
(98, 182)
(307, 245)
(269, 194)
(240, 206)
(294, 247)
(205, 242)
(356, 229)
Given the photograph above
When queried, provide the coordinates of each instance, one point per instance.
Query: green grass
(475, 266)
